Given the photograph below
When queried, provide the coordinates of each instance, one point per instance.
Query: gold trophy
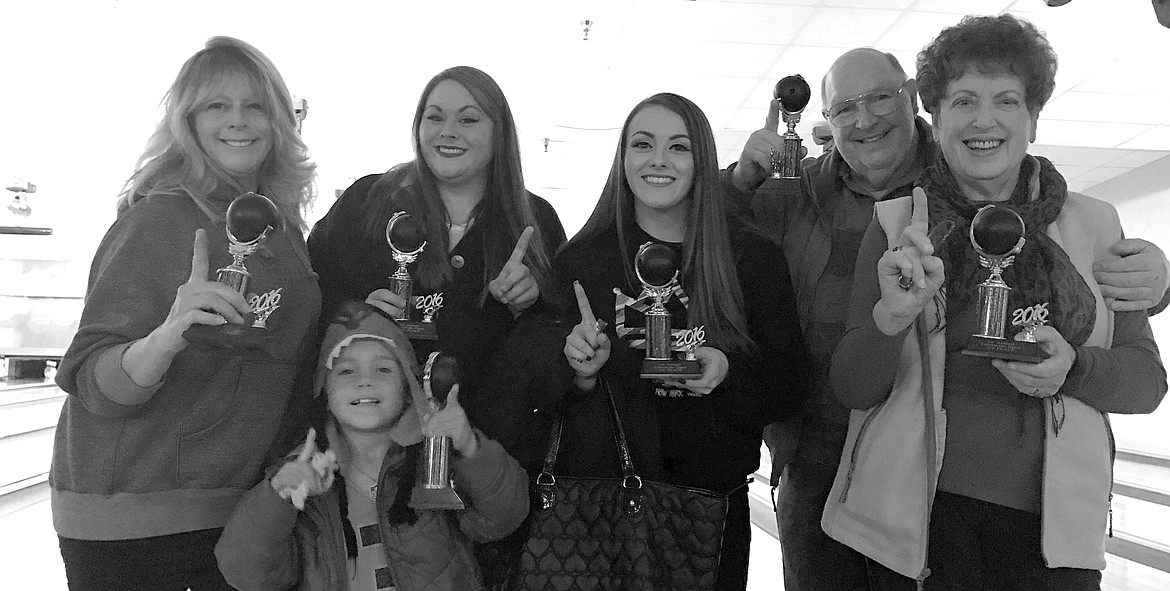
(435, 490)
(406, 243)
(657, 269)
(251, 218)
(997, 233)
(793, 93)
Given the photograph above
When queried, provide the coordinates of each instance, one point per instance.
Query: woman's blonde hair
(175, 163)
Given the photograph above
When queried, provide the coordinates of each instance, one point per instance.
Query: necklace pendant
(374, 493)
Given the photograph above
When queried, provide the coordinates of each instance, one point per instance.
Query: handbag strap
(630, 478)
(619, 436)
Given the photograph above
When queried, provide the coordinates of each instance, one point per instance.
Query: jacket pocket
(227, 439)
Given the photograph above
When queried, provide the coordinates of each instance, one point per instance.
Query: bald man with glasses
(880, 146)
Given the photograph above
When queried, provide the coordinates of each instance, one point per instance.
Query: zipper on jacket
(1111, 514)
(857, 448)
(930, 426)
(1112, 460)
(920, 582)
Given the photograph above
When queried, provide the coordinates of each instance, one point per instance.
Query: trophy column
(997, 234)
(251, 218)
(434, 489)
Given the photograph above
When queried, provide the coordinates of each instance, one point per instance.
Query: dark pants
(977, 546)
(812, 560)
(737, 540)
(165, 563)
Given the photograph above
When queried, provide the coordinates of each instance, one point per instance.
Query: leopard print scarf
(1042, 276)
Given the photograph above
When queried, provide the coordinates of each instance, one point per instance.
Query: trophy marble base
(423, 498)
(1004, 349)
(228, 336)
(417, 330)
(671, 369)
(780, 188)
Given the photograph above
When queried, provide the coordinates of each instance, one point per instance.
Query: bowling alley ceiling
(98, 69)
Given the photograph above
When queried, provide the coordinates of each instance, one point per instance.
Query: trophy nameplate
(251, 218)
(406, 243)
(434, 488)
(657, 269)
(997, 233)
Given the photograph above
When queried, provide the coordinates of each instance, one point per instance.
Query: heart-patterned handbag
(618, 533)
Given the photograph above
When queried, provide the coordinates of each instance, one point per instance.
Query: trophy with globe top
(657, 269)
(793, 93)
(997, 233)
(434, 489)
(406, 242)
(251, 218)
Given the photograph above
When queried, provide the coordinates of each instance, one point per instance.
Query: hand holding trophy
(997, 233)
(406, 243)
(434, 489)
(251, 218)
(657, 268)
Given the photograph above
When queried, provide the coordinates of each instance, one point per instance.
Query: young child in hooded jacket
(357, 530)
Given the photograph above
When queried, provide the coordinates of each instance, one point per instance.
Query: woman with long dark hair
(465, 191)
(663, 188)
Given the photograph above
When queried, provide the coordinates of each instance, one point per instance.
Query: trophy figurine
(251, 217)
(406, 243)
(793, 93)
(997, 233)
(657, 268)
(434, 490)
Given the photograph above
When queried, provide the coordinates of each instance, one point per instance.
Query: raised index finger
(309, 447)
(521, 246)
(919, 215)
(583, 304)
(772, 121)
(199, 257)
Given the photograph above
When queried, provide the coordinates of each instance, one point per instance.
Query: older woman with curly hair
(1002, 468)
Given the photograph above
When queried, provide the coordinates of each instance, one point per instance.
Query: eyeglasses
(878, 103)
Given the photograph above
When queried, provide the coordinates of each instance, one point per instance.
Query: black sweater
(712, 441)
(500, 382)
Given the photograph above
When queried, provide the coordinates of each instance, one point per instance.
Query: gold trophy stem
(786, 164)
(235, 275)
(438, 462)
(657, 334)
(790, 161)
(992, 311)
(402, 284)
(434, 490)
